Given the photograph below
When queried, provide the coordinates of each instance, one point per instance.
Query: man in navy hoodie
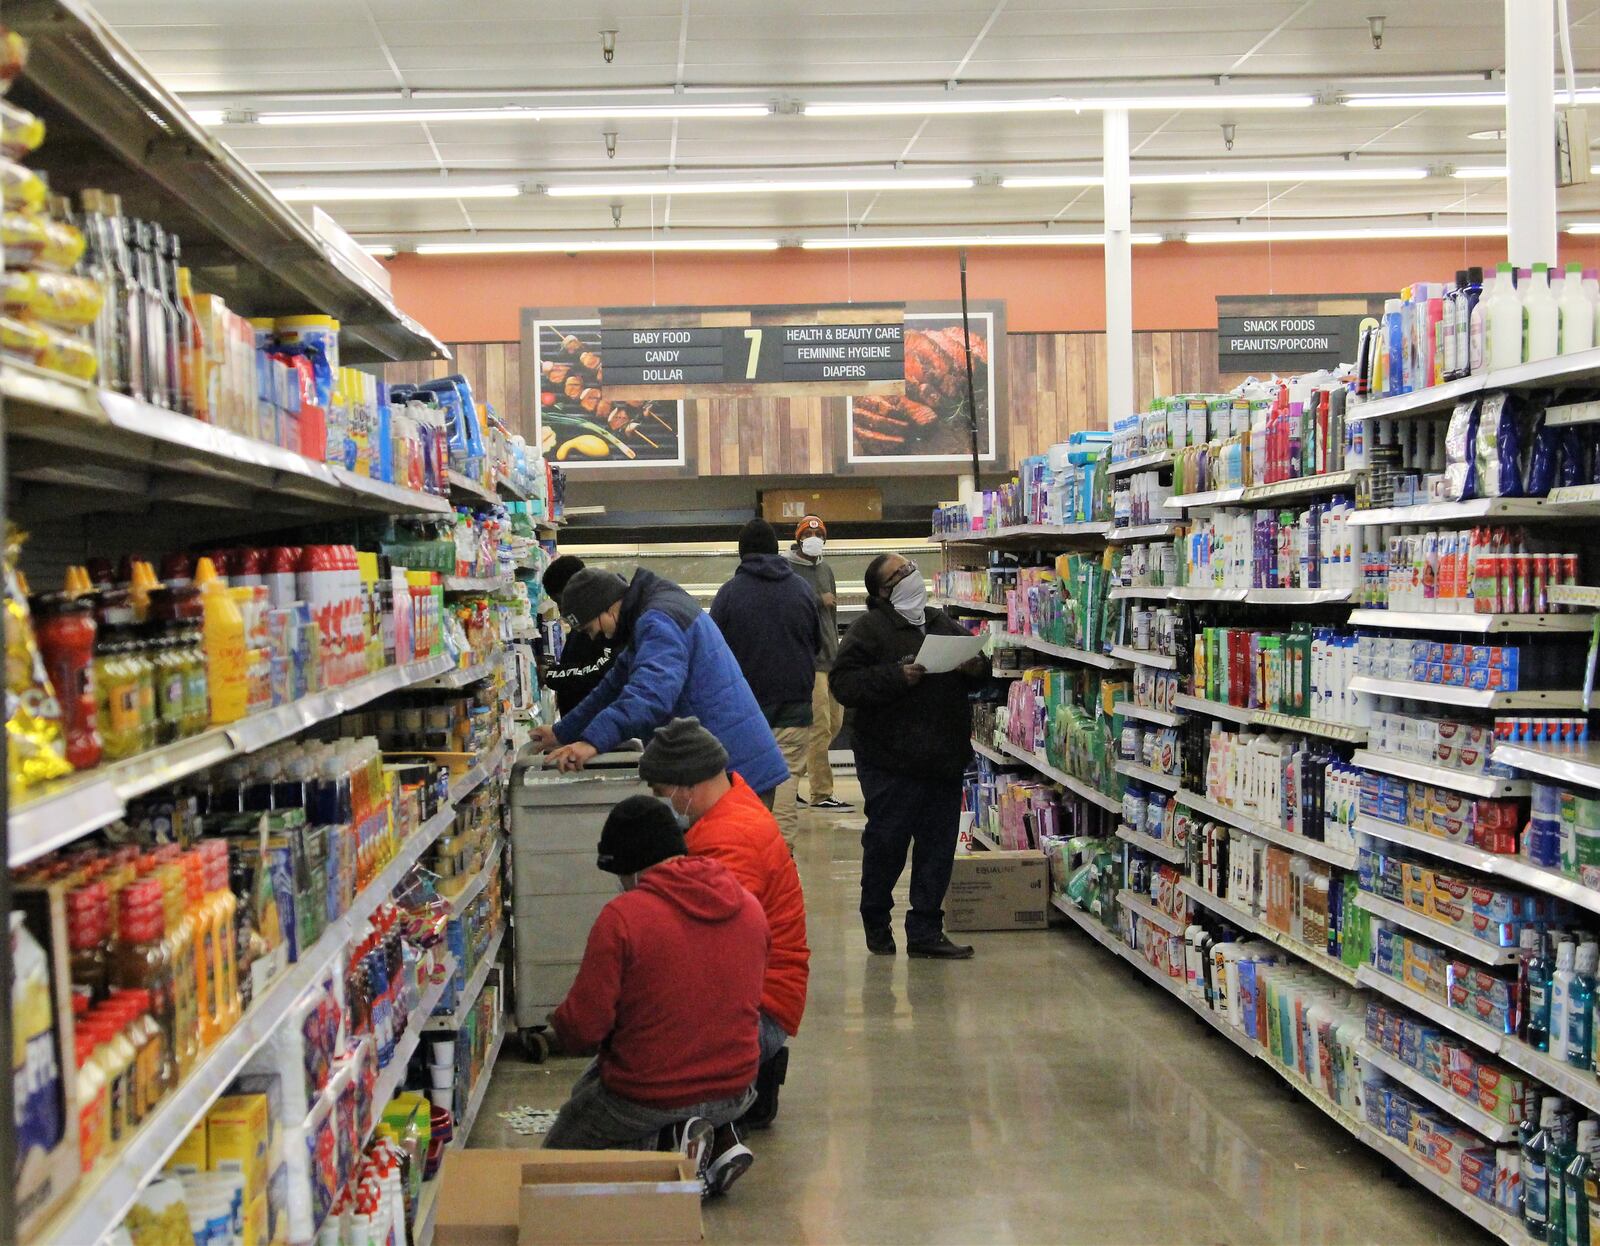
(769, 617)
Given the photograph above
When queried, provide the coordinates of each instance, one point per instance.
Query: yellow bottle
(207, 970)
(181, 925)
(222, 636)
(141, 579)
(222, 908)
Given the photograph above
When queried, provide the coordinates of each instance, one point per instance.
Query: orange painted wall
(1047, 289)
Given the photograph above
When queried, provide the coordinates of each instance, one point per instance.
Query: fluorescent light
(1358, 234)
(1492, 172)
(361, 194)
(512, 112)
(1208, 176)
(627, 244)
(624, 189)
(379, 252)
(1452, 99)
(1054, 103)
(878, 242)
(1582, 227)
(208, 116)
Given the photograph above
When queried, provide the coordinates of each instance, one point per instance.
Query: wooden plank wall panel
(1057, 384)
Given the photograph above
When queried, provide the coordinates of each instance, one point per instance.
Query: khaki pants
(827, 717)
(793, 743)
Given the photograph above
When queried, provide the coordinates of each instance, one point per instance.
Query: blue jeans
(594, 1119)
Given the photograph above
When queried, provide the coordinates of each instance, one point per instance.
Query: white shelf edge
(1155, 847)
(1146, 713)
(975, 607)
(1136, 903)
(480, 1089)
(1216, 709)
(1298, 596)
(1440, 776)
(1200, 592)
(1070, 652)
(1461, 621)
(1144, 531)
(1330, 853)
(1456, 1022)
(1347, 733)
(1090, 794)
(1448, 936)
(1139, 592)
(1462, 1109)
(994, 755)
(1144, 774)
(480, 880)
(1261, 927)
(1564, 764)
(1407, 689)
(1145, 657)
(1207, 498)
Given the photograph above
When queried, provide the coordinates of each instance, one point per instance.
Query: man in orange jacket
(723, 818)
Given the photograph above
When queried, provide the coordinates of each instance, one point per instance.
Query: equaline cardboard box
(998, 891)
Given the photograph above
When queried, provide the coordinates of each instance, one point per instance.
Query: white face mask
(910, 597)
(685, 821)
(811, 547)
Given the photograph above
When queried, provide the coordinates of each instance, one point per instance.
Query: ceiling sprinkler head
(1228, 129)
(611, 144)
(608, 45)
(1375, 26)
(616, 215)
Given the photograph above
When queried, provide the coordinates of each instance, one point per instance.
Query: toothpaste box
(1432, 1066)
(1508, 1178)
(1505, 1095)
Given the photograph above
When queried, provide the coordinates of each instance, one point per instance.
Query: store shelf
(1578, 596)
(1145, 657)
(1476, 624)
(1314, 957)
(1441, 776)
(113, 125)
(994, 755)
(464, 489)
(1454, 512)
(1345, 733)
(394, 1074)
(510, 489)
(1214, 709)
(1464, 1110)
(1201, 592)
(1514, 869)
(1144, 774)
(1297, 596)
(1333, 854)
(1093, 795)
(1144, 462)
(468, 783)
(1435, 398)
(1577, 1084)
(1141, 905)
(103, 1198)
(1144, 532)
(1139, 592)
(1070, 652)
(1162, 848)
(972, 607)
(475, 583)
(1435, 1010)
(457, 904)
(427, 1213)
(1222, 908)
(1437, 931)
(1545, 699)
(1027, 532)
(480, 1089)
(1207, 498)
(1164, 718)
(470, 990)
(90, 800)
(1301, 487)
(984, 838)
(1566, 763)
(462, 676)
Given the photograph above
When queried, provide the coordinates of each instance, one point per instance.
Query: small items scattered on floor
(525, 1120)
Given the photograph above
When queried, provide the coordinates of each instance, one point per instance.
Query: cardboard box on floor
(567, 1198)
(998, 891)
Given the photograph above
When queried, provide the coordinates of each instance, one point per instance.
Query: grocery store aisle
(1042, 1092)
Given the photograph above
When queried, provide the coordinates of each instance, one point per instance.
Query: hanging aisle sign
(823, 350)
(1286, 343)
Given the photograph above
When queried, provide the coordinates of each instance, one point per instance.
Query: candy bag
(33, 716)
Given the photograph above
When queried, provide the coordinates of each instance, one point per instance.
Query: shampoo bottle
(222, 636)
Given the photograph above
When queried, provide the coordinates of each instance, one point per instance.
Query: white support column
(1119, 265)
(1531, 131)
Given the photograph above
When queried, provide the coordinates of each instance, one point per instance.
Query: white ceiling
(302, 55)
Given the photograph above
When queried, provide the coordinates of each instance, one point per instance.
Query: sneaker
(940, 949)
(769, 1077)
(799, 800)
(697, 1139)
(880, 942)
(731, 1161)
(831, 802)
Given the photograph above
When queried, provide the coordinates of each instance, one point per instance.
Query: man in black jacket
(913, 738)
(769, 616)
(584, 660)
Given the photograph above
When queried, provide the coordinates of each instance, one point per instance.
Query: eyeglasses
(905, 572)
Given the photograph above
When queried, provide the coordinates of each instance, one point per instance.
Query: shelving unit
(470, 990)
(994, 755)
(1133, 770)
(1143, 532)
(1484, 699)
(1155, 847)
(389, 1080)
(1072, 653)
(1439, 932)
(1441, 776)
(1565, 763)
(476, 583)
(1066, 780)
(1474, 624)
(984, 838)
(1145, 657)
(1162, 718)
(1333, 854)
(971, 607)
(1464, 1110)
(462, 676)
(1139, 592)
(1258, 926)
(1136, 903)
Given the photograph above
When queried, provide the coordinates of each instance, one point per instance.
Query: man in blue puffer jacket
(670, 662)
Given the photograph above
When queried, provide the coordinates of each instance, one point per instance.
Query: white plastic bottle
(1577, 312)
(1560, 993)
(1541, 316)
(1502, 321)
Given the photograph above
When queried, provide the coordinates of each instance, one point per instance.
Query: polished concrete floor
(1040, 1093)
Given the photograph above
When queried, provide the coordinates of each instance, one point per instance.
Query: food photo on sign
(932, 421)
(578, 424)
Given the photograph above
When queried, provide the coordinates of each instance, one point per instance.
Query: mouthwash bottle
(1579, 1175)
(1580, 1008)
(1535, 1172)
(1538, 971)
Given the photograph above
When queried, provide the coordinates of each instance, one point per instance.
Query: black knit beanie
(639, 832)
(682, 754)
(757, 537)
(559, 574)
(590, 593)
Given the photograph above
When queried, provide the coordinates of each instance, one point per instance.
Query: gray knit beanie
(590, 593)
(681, 754)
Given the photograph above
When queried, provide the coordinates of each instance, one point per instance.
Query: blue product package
(1543, 451)
(383, 464)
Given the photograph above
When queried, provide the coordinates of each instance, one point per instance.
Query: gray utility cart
(557, 890)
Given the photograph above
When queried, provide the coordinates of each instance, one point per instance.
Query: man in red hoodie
(724, 819)
(669, 995)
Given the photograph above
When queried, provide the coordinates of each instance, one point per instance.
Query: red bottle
(65, 629)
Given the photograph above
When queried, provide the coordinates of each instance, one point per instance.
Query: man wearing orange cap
(827, 715)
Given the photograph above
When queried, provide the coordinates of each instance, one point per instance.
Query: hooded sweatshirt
(670, 987)
(818, 574)
(769, 617)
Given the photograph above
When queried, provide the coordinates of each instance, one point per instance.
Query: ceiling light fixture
(878, 242)
(210, 117)
(516, 112)
(1054, 103)
(1581, 227)
(379, 252)
(1451, 99)
(367, 194)
(545, 247)
(1355, 234)
(1491, 172)
(1208, 176)
(608, 189)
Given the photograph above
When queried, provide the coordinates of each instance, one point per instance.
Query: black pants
(904, 812)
